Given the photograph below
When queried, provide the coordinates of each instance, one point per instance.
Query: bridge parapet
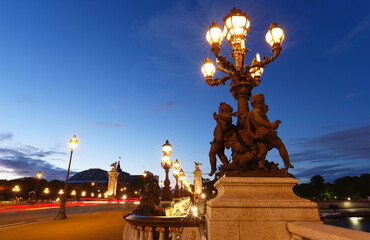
(303, 230)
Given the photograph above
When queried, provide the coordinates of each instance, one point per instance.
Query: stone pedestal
(112, 183)
(256, 208)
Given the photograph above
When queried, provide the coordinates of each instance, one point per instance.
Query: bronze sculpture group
(253, 135)
(249, 141)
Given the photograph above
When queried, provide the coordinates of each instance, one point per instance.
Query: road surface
(84, 222)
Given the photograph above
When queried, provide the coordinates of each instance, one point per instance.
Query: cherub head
(225, 108)
(258, 101)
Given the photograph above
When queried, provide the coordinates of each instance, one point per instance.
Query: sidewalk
(100, 225)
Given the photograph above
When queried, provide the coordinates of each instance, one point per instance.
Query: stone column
(112, 183)
(256, 208)
(197, 182)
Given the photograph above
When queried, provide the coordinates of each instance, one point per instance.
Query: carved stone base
(256, 208)
(256, 173)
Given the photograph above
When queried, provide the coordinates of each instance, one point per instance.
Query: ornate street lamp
(167, 165)
(39, 175)
(62, 208)
(242, 138)
(144, 176)
(176, 173)
(181, 178)
(16, 189)
(46, 191)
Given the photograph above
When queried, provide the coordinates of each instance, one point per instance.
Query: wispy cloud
(167, 105)
(332, 171)
(26, 161)
(348, 151)
(109, 125)
(351, 95)
(346, 42)
(6, 136)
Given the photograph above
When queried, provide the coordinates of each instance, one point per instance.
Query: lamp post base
(247, 206)
(62, 209)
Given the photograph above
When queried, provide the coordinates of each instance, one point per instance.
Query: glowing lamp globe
(167, 148)
(73, 143)
(214, 35)
(275, 35)
(208, 69)
(176, 165)
(236, 26)
(39, 175)
(166, 162)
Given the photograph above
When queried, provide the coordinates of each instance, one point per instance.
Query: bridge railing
(162, 228)
(316, 231)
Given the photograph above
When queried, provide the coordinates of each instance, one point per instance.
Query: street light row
(178, 173)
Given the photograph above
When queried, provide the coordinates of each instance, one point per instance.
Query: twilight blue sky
(125, 76)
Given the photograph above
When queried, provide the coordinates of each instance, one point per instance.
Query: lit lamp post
(39, 175)
(176, 173)
(243, 78)
(62, 208)
(46, 192)
(166, 164)
(16, 190)
(73, 193)
(144, 176)
(181, 178)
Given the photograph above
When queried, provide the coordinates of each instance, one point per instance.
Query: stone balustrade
(302, 230)
(162, 228)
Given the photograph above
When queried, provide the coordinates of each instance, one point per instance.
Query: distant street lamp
(16, 190)
(83, 194)
(166, 164)
(62, 208)
(144, 176)
(181, 178)
(46, 191)
(39, 175)
(176, 173)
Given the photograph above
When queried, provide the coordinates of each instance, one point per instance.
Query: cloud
(348, 151)
(6, 136)
(351, 95)
(167, 105)
(26, 161)
(109, 125)
(331, 171)
(345, 43)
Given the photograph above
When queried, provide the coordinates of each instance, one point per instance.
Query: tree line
(341, 188)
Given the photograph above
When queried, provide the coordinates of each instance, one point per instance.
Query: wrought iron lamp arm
(219, 67)
(224, 63)
(265, 60)
(217, 81)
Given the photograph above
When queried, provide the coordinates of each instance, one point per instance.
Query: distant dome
(92, 175)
